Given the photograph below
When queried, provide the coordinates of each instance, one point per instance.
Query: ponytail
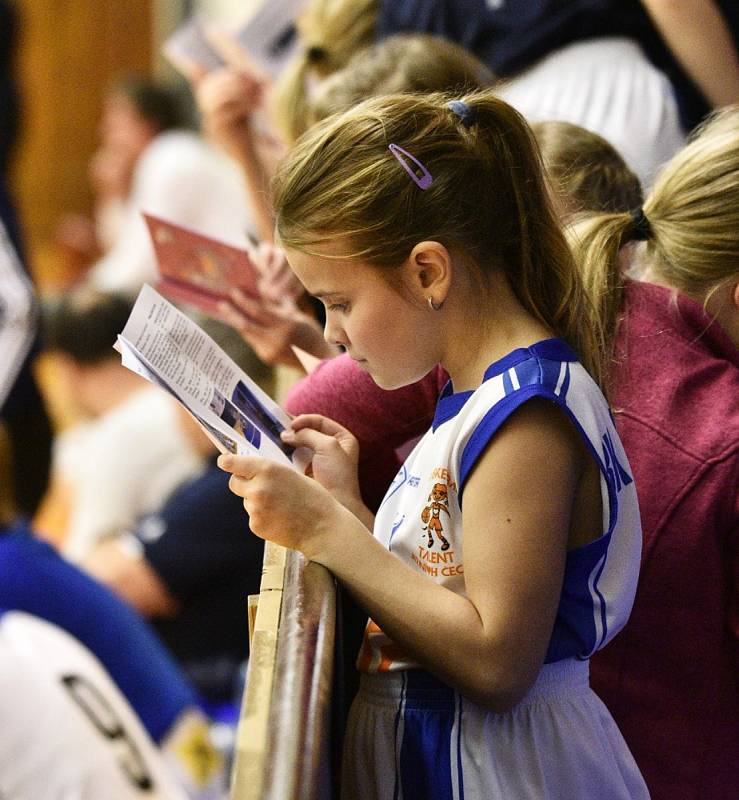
(330, 32)
(488, 199)
(689, 225)
(596, 242)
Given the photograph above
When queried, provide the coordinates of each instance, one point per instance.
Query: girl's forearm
(441, 630)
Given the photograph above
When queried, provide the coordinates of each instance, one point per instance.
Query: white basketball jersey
(420, 519)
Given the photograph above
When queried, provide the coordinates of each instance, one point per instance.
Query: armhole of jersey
(489, 425)
(492, 421)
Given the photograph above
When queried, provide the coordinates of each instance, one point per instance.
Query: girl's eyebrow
(322, 295)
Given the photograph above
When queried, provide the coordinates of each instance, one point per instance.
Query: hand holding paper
(164, 346)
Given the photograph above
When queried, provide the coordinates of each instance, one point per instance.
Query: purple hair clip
(424, 180)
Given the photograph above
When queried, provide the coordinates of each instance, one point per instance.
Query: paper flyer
(166, 347)
(266, 39)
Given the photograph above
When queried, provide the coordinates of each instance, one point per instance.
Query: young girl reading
(506, 551)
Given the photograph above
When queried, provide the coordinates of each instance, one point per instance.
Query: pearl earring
(435, 306)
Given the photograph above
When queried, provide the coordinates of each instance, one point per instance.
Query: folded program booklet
(265, 40)
(198, 270)
(166, 347)
(189, 50)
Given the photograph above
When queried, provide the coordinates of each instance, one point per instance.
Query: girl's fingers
(319, 423)
(314, 440)
(245, 467)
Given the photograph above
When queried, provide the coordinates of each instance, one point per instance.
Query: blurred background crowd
(120, 538)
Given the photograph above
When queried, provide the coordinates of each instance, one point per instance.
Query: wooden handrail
(282, 743)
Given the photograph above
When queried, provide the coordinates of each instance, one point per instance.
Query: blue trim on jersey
(401, 476)
(574, 631)
(535, 364)
(429, 711)
(581, 625)
(489, 426)
(578, 634)
(460, 772)
(547, 350)
(603, 616)
(449, 405)
(565, 383)
(507, 382)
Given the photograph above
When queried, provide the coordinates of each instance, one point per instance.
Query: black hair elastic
(315, 54)
(641, 228)
(467, 115)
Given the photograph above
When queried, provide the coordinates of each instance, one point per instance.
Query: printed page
(189, 51)
(263, 43)
(164, 346)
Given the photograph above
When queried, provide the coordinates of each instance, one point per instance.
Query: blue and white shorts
(411, 737)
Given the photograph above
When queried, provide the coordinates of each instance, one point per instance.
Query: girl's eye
(340, 307)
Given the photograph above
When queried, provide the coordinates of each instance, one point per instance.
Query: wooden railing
(283, 746)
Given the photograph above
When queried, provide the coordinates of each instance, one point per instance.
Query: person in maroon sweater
(670, 678)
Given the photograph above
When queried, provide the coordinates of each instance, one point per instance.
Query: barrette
(424, 180)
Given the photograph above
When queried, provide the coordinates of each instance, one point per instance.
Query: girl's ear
(735, 296)
(429, 270)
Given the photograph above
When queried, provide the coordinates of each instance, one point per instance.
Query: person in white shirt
(69, 731)
(132, 452)
(173, 173)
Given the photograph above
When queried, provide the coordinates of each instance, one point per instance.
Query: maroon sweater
(670, 677)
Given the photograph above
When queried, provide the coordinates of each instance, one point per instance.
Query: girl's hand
(335, 455)
(271, 328)
(283, 506)
(277, 282)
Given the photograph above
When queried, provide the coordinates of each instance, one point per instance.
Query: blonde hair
(400, 63)
(587, 172)
(330, 33)
(488, 199)
(8, 510)
(693, 239)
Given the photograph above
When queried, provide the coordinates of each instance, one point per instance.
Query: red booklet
(198, 270)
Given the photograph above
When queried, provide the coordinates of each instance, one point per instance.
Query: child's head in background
(330, 33)
(587, 173)
(399, 64)
(342, 194)
(689, 229)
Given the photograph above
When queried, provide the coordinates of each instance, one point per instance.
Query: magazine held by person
(166, 347)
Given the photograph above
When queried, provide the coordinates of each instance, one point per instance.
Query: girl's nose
(333, 333)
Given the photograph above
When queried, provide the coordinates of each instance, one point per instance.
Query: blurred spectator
(132, 452)
(189, 565)
(699, 59)
(282, 318)
(35, 580)
(670, 677)
(100, 750)
(585, 170)
(400, 63)
(148, 162)
(21, 404)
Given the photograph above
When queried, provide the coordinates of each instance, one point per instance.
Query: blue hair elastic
(424, 180)
(467, 115)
